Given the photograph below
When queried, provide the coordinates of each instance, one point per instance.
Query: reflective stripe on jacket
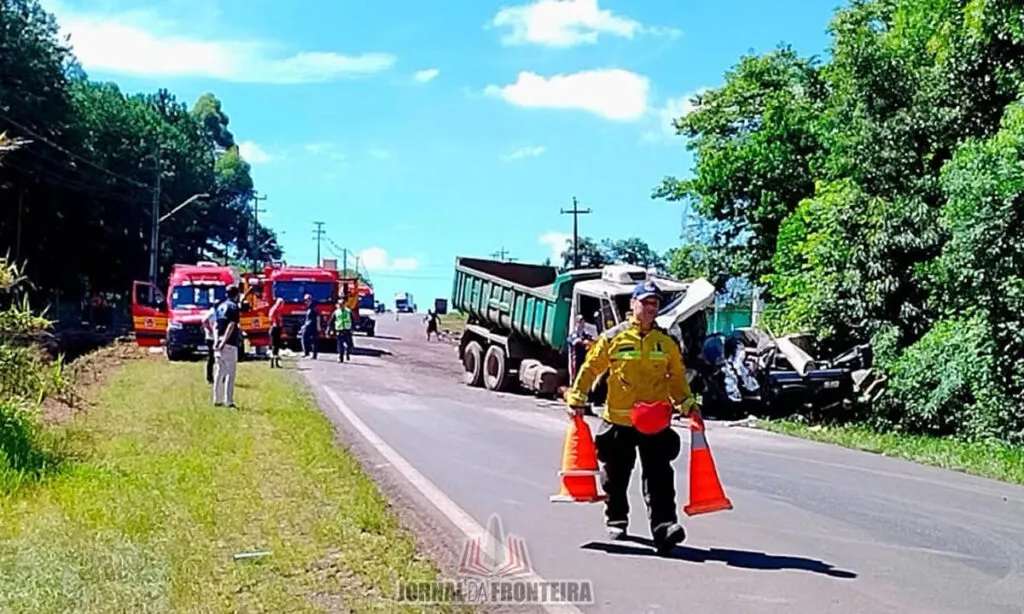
(642, 367)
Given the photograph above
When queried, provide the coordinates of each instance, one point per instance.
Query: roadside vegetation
(988, 458)
(27, 378)
(159, 491)
(453, 322)
(877, 195)
(80, 187)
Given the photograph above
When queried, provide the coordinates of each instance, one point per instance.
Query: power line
(43, 139)
(576, 212)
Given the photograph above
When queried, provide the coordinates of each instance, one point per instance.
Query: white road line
(462, 520)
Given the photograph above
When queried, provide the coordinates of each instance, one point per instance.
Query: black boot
(667, 537)
(616, 529)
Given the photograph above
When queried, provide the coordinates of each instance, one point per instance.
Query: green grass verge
(988, 459)
(166, 489)
(453, 321)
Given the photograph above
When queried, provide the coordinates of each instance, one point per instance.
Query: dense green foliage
(878, 195)
(26, 379)
(82, 189)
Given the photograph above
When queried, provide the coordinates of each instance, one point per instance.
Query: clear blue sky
(420, 131)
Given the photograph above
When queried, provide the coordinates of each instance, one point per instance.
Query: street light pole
(155, 233)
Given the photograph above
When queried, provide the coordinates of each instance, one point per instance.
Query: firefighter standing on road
(644, 365)
(341, 325)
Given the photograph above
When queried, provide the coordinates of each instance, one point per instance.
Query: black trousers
(345, 344)
(617, 450)
(275, 340)
(209, 361)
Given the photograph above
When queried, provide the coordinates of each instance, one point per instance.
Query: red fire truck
(292, 283)
(174, 319)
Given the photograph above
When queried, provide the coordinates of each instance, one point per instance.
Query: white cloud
(140, 43)
(324, 149)
(422, 76)
(611, 93)
(253, 153)
(377, 259)
(671, 110)
(524, 152)
(566, 23)
(380, 154)
(558, 242)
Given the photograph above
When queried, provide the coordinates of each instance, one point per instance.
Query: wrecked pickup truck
(749, 371)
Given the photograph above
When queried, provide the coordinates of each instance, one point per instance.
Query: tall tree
(82, 189)
(756, 149)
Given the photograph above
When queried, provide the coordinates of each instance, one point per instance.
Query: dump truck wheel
(495, 368)
(473, 363)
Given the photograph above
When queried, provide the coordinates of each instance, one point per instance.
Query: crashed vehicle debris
(749, 371)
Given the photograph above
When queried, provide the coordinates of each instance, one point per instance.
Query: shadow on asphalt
(743, 559)
(358, 351)
(385, 337)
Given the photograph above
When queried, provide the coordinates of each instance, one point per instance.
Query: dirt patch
(88, 373)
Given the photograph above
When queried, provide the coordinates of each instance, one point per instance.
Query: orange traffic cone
(579, 466)
(706, 493)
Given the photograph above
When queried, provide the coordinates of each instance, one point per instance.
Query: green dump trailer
(519, 315)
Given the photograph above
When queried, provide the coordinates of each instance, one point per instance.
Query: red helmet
(651, 417)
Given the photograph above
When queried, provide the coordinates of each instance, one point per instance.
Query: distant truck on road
(403, 303)
(519, 316)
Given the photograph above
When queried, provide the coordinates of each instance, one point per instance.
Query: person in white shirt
(209, 323)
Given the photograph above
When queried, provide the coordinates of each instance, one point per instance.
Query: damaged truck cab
(519, 316)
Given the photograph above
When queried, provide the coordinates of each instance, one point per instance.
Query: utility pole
(344, 260)
(502, 254)
(318, 234)
(575, 211)
(256, 229)
(154, 240)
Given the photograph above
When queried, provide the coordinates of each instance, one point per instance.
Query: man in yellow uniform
(644, 364)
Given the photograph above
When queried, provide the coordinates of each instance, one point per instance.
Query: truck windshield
(186, 297)
(293, 291)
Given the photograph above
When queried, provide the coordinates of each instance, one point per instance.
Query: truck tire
(473, 363)
(495, 368)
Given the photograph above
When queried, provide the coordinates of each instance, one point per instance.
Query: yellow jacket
(642, 367)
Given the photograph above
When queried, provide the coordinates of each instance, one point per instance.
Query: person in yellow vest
(341, 324)
(644, 365)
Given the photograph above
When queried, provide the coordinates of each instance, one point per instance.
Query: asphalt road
(815, 528)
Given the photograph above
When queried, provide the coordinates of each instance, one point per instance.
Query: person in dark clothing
(580, 341)
(210, 332)
(310, 328)
(275, 333)
(432, 324)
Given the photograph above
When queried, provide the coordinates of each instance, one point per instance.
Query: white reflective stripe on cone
(697, 440)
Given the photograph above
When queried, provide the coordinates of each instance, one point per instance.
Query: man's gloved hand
(574, 411)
